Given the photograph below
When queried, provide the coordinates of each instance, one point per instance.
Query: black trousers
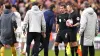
(86, 49)
(45, 44)
(30, 36)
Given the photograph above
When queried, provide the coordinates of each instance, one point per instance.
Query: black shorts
(72, 35)
(62, 36)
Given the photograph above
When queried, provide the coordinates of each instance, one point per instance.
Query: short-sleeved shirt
(61, 20)
(74, 16)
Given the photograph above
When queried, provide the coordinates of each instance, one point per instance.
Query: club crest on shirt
(59, 20)
(66, 35)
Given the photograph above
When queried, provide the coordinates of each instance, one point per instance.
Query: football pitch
(51, 53)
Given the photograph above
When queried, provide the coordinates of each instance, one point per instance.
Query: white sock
(18, 49)
(26, 54)
(24, 49)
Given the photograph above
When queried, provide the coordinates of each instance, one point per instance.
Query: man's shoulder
(16, 13)
(84, 13)
(13, 14)
(65, 14)
(41, 11)
(30, 11)
(49, 12)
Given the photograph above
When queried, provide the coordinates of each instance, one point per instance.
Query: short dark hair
(86, 4)
(8, 6)
(15, 6)
(35, 3)
(63, 5)
(71, 5)
(52, 6)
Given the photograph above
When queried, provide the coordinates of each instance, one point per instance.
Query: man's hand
(57, 31)
(96, 33)
(44, 35)
(77, 24)
(70, 26)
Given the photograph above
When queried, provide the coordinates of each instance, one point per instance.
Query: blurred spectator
(98, 12)
(1, 8)
(94, 6)
(48, 3)
(13, 2)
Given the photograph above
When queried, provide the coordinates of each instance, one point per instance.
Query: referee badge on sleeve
(59, 20)
(77, 18)
(66, 35)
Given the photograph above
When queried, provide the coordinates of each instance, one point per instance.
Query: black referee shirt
(61, 20)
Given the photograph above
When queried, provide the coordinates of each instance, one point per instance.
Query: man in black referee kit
(61, 26)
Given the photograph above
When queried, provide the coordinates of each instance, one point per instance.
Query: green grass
(61, 53)
(51, 53)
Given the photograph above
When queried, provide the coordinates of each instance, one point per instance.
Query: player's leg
(56, 48)
(13, 45)
(23, 40)
(18, 49)
(73, 42)
(65, 40)
(18, 45)
(24, 49)
(56, 44)
(74, 48)
(13, 50)
(70, 37)
(2, 49)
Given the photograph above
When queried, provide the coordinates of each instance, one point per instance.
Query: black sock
(65, 51)
(76, 50)
(56, 51)
(72, 51)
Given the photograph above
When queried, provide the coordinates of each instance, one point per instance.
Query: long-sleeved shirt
(35, 20)
(49, 18)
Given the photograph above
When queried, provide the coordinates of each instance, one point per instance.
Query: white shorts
(21, 37)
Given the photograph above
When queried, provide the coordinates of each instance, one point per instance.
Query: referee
(61, 28)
